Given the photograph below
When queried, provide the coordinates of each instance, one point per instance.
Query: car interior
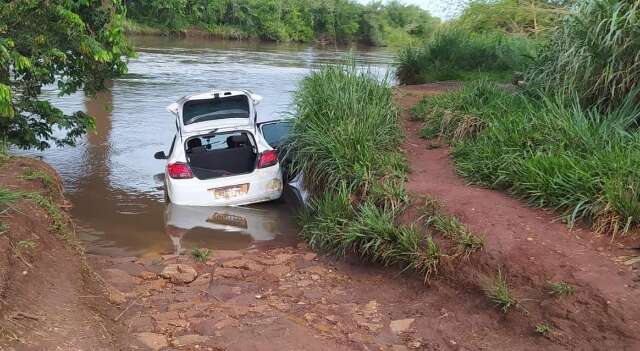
(219, 155)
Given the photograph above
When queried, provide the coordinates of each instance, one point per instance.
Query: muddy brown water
(112, 178)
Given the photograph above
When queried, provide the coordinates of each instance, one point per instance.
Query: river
(111, 177)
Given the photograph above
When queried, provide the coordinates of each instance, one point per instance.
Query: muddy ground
(289, 298)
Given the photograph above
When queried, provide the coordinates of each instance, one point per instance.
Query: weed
(27, 245)
(451, 228)
(200, 254)
(36, 174)
(560, 288)
(543, 329)
(500, 295)
(3, 228)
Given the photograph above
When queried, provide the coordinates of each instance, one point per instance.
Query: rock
(243, 263)
(401, 325)
(314, 270)
(152, 340)
(179, 273)
(278, 270)
(310, 256)
(228, 273)
(122, 280)
(230, 322)
(146, 275)
(399, 348)
(187, 340)
(116, 296)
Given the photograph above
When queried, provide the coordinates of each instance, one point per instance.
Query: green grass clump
(500, 295)
(456, 54)
(543, 329)
(200, 254)
(451, 228)
(27, 245)
(40, 175)
(560, 288)
(549, 151)
(346, 141)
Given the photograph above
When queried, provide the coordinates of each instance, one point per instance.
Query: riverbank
(50, 298)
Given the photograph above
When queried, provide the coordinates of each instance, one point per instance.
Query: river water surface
(111, 176)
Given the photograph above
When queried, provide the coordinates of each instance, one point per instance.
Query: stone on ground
(179, 273)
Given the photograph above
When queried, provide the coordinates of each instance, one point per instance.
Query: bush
(593, 54)
(346, 140)
(453, 53)
(549, 151)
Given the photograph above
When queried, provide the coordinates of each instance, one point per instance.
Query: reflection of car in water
(219, 227)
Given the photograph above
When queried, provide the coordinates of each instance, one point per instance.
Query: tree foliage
(74, 44)
(289, 20)
(512, 16)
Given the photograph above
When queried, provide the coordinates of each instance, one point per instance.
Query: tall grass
(453, 53)
(594, 54)
(549, 151)
(346, 141)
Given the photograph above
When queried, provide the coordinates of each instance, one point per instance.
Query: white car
(219, 156)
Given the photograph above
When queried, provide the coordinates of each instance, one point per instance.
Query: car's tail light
(268, 159)
(179, 170)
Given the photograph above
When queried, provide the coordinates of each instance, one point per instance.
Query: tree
(74, 44)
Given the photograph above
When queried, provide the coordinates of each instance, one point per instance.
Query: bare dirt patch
(533, 248)
(47, 294)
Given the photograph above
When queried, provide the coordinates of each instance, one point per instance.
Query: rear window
(213, 109)
(276, 133)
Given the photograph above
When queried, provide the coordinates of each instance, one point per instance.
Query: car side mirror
(160, 155)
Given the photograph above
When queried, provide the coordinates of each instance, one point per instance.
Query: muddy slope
(531, 247)
(49, 300)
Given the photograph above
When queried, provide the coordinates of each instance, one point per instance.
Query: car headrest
(238, 140)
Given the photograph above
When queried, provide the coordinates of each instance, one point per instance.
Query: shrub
(453, 53)
(594, 54)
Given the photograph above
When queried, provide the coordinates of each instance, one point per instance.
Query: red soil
(532, 247)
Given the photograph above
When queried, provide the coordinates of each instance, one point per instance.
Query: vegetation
(548, 151)
(560, 288)
(500, 295)
(451, 228)
(39, 175)
(543, 329)
(594, 55)
(456, 54)
(523, 17)
(287, 20)
(346, 142)
(200, 254)
(74, 44)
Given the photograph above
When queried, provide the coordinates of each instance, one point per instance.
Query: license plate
(227, 219)
(229, 192)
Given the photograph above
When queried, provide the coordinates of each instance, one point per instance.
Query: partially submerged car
(219, 156)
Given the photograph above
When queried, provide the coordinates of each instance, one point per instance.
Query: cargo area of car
(221, 155)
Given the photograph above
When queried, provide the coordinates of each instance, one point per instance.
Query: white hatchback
(219, 156)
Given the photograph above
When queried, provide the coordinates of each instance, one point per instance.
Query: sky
(436, 7)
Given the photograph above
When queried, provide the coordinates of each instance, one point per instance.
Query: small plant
(451, 228)
(200, 254)
(3, 228)
(500, 295)
(36, 174)
(27, 245)
(543, 329)
(560, 288)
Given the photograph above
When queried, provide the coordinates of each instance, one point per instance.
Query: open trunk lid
(215, 109)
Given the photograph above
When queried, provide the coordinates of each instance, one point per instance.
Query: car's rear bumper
(264, 185)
